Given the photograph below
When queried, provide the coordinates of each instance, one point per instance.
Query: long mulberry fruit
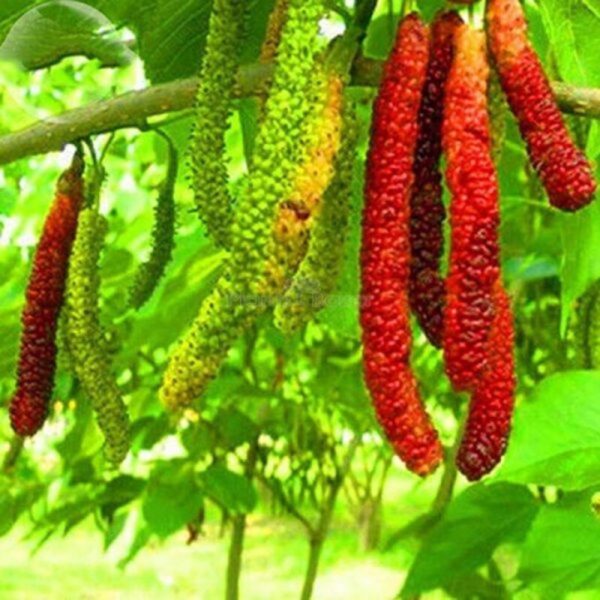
(385, 253)
(474, 213)
(319, 271)
(213, 110)
(562, 167)
(427, 287)
(150, 272)
(238, 295)
(44, 300)
(86, 338)
(299, 209)
(490, 412)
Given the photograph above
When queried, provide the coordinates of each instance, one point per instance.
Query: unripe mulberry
(319, 271)
(490, 412)
(44, 300)
(562, 167)
(239, 296)
(275, 25)
(427, 287)
(297, 212)
(474, 213)
(150, 272)
(86, 338)
(208, 159)
(385, 253)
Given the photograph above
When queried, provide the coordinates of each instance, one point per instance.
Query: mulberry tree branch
(131, 110)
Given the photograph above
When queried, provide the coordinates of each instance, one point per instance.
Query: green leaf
(574, 31)
(228, 489)
(235, 427)
(475, 524)
(51, 31)
(172, 498)
(581, 263)
(556, 434)
(562, 550)
(8, 512)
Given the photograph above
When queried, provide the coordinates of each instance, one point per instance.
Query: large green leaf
(228, 489)
(172, 498)
(475, 524)
(573, 27)
(562, 550)
(556, 434)
(51, 31)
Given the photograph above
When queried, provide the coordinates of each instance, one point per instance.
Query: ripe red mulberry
(427, 288)
(474, 214)
(44, 300)
(562, 167)
(490, 413)
(385, 254)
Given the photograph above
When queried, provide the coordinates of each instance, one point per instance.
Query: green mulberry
(320, 270)
(213, 110)
(86, 339)
(238, 296)
(150, 272)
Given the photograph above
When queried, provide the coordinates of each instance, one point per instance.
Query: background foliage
(285, 436)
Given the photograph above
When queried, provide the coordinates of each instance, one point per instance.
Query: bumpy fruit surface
(427, 287)
(277, 18)
(44, 300)
(490, 412)
(319, 271)
(474, 213)
(385, 253)
(213, 110)
(297, 212)
(86, 339)
(150, 272)
(239, 295)
(562, 167)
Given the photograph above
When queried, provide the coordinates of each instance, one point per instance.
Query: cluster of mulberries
(385, 253)
(44, 301)
(213, 109)
(562, 167)
(434, 97)
(86, 339)
(239, 295)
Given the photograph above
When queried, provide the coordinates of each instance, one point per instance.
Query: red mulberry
(44, 300)
(427, 289)
(474, 217)
(562, 167)
(490, 413)
(385, 254)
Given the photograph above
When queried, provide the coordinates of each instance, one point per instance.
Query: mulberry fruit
(563, 169)
(44, 300)
(427, 288)
(385, 253)
(474, 213)
(86, 339)
(150, 272)
(490, 412)
(213, 110)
